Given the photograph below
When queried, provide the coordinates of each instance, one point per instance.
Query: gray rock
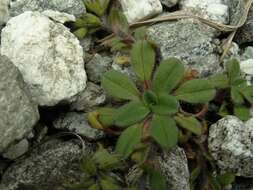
(98, 66)
(4, 11)
(59, 16)
(230, 142)
(74, 7)
(77, 122)
(48, 55)
(169, 3)
(91, 97)
(174, 167)
(215, 10)
(18, 114)
(17, 150)
(245, 33)
(190, 41)
(47, 167)
(236, 9)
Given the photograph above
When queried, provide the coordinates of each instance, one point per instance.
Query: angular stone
(136, 10)
(49, 166)
(230, 142)
(97, 67)
(77, 122)
(75, 7)
(17, 150)
(174, 167)
(215, 10)
(59, 16)
(190, 41)
(91, 97)
(48, 55)
(18, 114)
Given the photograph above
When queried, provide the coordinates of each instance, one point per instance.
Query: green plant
(235, 95)
(99, 172)
(154, 112)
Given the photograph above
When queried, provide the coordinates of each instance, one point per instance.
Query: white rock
(136, 10)
(230, 142)
(4, 12)
(58, 16)
(215, 10)
(247, 66)
(48, 55)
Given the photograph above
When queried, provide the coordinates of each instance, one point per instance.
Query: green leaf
(140, 33)
(194, 176)
(97, 6)
(196, 91)
(88, 166)
(106, 116)
(108, 185)
(242, 112)
(120, 86)
(150, 98)
(130, 114)
(157, 181)
(248, 93)
(168, 75)
(223, 111)
(233, 69)
(236, 95)
(105, 160)
(80, 33)
(166, 104)
(220, 81)
(189, 123)
(128, 140)
(118, 22)
(94, 187)
(143, 59)
(87, 20)
(164, 130)
(225, 179)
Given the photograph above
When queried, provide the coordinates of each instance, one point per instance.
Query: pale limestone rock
(59, 16)
(136, 10)
(48, 55)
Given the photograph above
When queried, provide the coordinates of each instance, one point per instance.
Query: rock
(77, 123)
(59, 17)
(169, 3)
(210, 9)
(97, 67)
(18, 114)
(136, 10)
(91, 97)
(75, 7)
(236, 9)
(174, 167)
(245, 33)
(246, 64)
(4, 11)
(17, 150)
(49, 166)
(48, 55)
(230, 142)
(190, 41)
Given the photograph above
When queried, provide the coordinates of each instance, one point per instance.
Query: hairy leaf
(168, 75)
(157, 181)
(196, 91)
(106, 116)
(236, 95)
(140, 33)
(143, 59)
(97, 6)
(233, 69)
(189, 123)
(118, 22)
(166, 104)
(120, 86)
(226, 179)
(130, 114)
(164, 130)
(108, 185)
(219, 81)
(88, 20)
(242, 112)
(128, 140)
(248, 93)
(80, 33)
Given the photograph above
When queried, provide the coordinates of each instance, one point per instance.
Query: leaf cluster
(236, 95)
